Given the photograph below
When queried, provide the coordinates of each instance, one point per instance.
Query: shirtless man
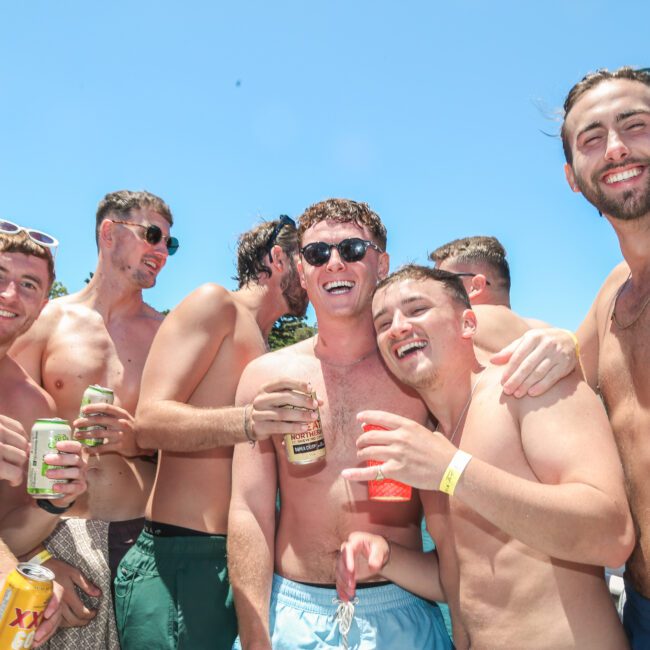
(606, 138)
(186, 410)
(342, 258)
(537, 501)
(101, 335)
(26, 275)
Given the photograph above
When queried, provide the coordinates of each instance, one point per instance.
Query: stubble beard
(630, 206)
(294, 295)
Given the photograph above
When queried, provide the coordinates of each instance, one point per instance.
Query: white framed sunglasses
(38, 237)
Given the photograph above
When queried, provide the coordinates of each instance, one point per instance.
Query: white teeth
(337, 285)
(623, 176)
(413, 345)
(7, 314)
(150, 264)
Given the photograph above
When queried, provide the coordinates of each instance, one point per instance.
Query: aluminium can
(25, 596)
(95, 395)
(45, 434)
(307, 446)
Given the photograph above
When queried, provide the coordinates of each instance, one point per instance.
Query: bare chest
(88, 351)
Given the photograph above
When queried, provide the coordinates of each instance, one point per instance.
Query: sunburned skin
(102, 335)
(83, 349)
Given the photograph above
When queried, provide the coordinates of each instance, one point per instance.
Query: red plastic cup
(386, 489)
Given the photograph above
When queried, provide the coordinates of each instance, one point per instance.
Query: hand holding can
(385, 489)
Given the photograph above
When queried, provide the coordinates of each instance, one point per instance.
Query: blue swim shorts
(385, 617)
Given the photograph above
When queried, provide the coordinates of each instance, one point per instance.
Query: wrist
(52, 508)
(454, 471)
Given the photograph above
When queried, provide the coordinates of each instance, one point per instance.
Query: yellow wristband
(454, 471)
(41, 558)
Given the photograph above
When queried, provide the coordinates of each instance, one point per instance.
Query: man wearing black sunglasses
(186, 410)
(342, 257)
(101, 335)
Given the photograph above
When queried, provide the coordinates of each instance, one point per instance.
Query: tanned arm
(181, 354)
(251, 529)
(579, 511)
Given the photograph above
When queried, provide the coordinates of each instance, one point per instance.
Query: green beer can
(95, 395)
(45, 434)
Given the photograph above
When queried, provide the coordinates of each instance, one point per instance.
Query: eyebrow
(406, 301)
(27, 276)
(619, 118)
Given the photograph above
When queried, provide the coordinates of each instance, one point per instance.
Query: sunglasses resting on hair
(284, 221)
(352, 249)
(38, 237)
(153, 235)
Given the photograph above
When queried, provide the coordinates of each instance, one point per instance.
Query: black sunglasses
(153, 235)
(284, 221)
(469, 275)
(352, 249)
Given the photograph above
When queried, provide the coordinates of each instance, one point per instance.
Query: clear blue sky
(431, 112)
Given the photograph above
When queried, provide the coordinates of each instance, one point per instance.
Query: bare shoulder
(289, 361)
(209, 306)
(612, 283)
(497, 327)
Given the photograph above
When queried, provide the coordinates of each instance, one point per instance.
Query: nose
(400, 325)
(8, 289)
(616, 148)
(335, 262)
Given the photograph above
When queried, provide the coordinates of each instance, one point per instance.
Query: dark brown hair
(451, 282)
(121, 203)
(254, 246)
(20, 242)
(344, 211)
(589, 81)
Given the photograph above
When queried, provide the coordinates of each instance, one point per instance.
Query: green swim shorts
(173, 593)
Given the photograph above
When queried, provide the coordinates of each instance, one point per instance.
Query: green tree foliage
(288, 330)
(58, 289)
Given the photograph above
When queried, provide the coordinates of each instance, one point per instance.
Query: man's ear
(468, 324)
(477, 285)
(571, 177)
(106, 232)
(278, 258)
(301, 273)
(384, 265)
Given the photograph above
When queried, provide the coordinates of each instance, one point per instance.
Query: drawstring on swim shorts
(344, 617)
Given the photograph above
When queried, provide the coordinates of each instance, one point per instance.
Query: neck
(108, 293)
(265, 304)
(342, 342)
(448, 399)
(634, 240)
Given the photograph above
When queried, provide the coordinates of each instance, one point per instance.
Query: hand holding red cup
(385, 489)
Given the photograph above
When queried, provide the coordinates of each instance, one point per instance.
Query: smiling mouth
(623, 176)
(409, 348)
(7, 314)
(338, 286)
(151, 264)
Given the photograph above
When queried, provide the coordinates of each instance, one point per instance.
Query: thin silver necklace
(464, 411)
(639, 314)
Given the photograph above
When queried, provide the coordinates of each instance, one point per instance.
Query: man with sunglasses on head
(283, 570)
(172, 588)
(101, 335)
(26, 275)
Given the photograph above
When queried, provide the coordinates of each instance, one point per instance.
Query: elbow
(145, 433)
(626, 539)
(621, 538)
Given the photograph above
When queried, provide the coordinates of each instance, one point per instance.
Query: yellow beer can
(25, 596)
